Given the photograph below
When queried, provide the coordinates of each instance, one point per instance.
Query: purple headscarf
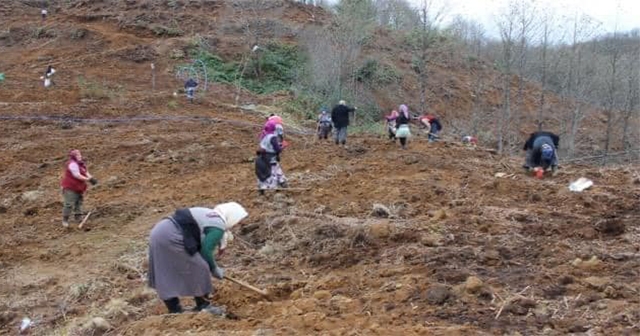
(404, 110)
(269, 128)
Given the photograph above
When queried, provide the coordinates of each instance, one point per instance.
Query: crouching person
(181, 248)
(541, 148)
(268, 169)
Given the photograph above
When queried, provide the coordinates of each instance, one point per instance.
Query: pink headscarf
(275, 119)
(269, 128)
(405, 110)
(393, 115)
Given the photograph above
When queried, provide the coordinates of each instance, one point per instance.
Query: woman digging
(74, 184)
(181, 248)
(268, 169)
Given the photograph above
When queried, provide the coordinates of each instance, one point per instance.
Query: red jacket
(70, 182)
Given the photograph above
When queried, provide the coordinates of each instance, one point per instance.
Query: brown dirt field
(461, 252)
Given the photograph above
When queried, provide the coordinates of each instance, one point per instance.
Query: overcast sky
(623, 15)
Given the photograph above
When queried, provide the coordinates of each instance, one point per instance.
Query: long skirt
(277, 178)
(172, 271)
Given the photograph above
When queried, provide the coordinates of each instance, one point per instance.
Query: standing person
(271, 119)
(48, 74)
(74, 185)
(402, 122)
(391, 124)
(541, 150)
(324, 125)
(268, 169)
(340, 118)
(190, 86)
(181, 247)
(43, 12)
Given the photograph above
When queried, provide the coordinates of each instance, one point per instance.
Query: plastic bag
(580, 184)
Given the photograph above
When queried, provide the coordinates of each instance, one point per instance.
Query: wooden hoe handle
(248, 286)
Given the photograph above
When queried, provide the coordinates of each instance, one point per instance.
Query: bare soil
(456, 251)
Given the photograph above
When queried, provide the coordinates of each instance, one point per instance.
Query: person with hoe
(267, 164)
(181, 261)
(74, 185)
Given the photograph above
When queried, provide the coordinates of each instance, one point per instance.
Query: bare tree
(507, 28)
(430, 17)
(547, 23)
(572, 74)
(632, 101)
(353, 24)
(526, 23)
(397, 14)
(612, 82)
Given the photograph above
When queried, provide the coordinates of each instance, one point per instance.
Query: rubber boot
(201, 303)
(173, 305)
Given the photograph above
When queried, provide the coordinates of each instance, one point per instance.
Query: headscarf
(275, 119)
(404, 110)
(393, 115)
(269, 128)
(74, 154)
(547, 152)
(231, 213)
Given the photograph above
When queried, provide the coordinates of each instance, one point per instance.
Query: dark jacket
(436, 126)
(190, 83)
(190, 230)
(340, 115)
(529, 144)
(402, 120)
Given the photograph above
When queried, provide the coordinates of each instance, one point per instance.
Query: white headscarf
(231, 213)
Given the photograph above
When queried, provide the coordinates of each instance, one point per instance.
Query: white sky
(621, 14)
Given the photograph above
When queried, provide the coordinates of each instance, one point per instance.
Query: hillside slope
(460, 252)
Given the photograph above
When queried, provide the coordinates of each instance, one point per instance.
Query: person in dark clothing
(432, 124)
(340, 118)
(190, 87)
(541, 150)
